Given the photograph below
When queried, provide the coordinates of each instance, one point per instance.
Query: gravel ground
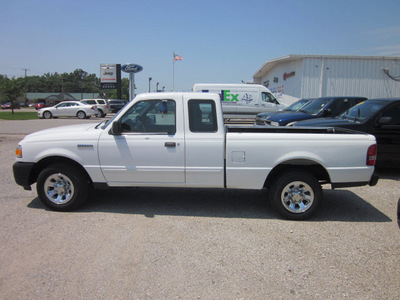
(194, 244)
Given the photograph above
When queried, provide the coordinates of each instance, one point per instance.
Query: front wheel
(296, 195)
(62, 187)
(47, 115)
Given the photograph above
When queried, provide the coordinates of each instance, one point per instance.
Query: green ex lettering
(226, 96)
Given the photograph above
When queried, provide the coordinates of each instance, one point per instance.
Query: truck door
(149, 150)
(205, 143)
(268, 103)
(387, 133)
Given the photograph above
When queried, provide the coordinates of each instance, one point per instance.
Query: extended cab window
(150, 116)
(202, 116)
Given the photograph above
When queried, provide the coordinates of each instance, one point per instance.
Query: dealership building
(311, 76)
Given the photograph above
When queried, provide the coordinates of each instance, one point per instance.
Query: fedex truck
(242, 101)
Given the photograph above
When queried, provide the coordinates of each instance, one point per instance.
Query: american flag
(177, 57)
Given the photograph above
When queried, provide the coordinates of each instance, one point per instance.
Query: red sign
(288, 75)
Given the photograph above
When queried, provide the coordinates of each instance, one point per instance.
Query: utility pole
(25, 99)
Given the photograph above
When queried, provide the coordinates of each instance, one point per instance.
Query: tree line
(78, 81)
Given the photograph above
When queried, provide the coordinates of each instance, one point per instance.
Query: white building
(310, 76)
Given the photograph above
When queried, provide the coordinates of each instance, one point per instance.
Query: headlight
(18, 151)
(274, 124)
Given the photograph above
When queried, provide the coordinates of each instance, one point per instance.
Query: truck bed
(283, 129)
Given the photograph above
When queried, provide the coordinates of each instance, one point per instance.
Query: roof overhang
(270, 64)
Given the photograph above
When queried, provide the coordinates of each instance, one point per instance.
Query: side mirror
(384, 120)
(116, 128)
(327, 112)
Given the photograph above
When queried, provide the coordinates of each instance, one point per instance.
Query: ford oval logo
(131, 68)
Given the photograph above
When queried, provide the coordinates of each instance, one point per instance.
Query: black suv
(116, 104)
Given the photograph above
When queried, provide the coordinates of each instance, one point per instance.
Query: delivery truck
(242, 101)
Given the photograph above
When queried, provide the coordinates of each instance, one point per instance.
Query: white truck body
(173, 149)
(242, 101)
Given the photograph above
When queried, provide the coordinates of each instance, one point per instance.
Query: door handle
(170, 144)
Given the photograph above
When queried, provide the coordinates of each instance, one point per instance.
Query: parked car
(321, 107)
(40, 104)
(379, 117)
(7, 105)
(116, 104)
(296, 106)
(68, 109)
(102, 106)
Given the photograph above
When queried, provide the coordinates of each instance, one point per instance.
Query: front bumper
(23, 174)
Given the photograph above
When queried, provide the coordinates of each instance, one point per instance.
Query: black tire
(296, 195)
(81, 115)
(100, 114)
(62, 187)
(47, 115)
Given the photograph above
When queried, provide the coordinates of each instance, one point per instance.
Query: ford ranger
(179, 140)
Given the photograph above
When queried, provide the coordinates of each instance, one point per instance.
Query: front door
(149, 150)
(388, 138)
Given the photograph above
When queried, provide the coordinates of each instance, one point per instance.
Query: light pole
(157, 86)
(149, 83)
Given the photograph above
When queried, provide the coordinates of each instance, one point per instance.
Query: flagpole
(173, 71)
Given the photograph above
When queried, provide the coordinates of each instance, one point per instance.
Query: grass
(18, 115)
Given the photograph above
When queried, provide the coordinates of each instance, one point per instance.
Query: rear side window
(91, 102)
(202, 116)
(101, 101)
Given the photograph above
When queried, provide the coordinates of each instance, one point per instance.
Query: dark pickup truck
(379, 117)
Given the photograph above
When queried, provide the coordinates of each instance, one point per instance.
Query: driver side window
(267, 97)
(150, 116)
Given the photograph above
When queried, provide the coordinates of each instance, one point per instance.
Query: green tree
(11, 89)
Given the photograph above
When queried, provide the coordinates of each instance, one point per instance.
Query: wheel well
(311, 167)
(44, 163)
(80, 111)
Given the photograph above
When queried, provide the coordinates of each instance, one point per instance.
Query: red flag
(177, 57)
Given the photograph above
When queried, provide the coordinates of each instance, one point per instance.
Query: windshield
(297, 105)
(315, 106)
(362, 111)
(109, 121)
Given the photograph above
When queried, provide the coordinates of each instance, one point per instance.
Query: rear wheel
(62, 187)
(100, 114)
(81, 115)
(296, 195)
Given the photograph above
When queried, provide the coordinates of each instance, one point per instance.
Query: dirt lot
(194, 244)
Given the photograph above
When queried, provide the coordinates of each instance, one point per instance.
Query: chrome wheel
(59, 188)
(297, 197)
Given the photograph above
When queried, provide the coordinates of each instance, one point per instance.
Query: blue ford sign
(131, 68)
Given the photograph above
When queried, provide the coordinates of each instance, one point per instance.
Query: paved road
(194, 244)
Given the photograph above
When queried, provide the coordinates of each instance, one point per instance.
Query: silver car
(68, 109)
(102, 106)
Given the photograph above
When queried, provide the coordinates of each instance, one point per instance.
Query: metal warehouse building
(310, 76)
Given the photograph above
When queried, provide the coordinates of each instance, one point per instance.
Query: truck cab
(151, 144)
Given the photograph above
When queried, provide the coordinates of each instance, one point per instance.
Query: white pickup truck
(179, 140)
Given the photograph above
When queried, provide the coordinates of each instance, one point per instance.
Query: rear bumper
(373, 181)
(22, 174)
